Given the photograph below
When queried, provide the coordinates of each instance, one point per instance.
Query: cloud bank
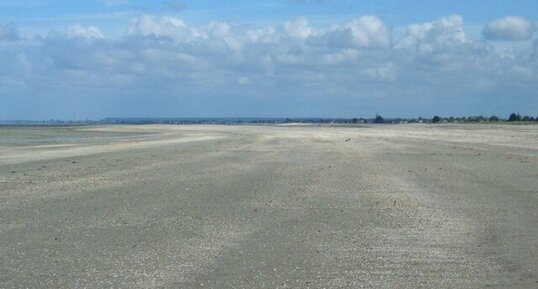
(162, 65)
(510, 28)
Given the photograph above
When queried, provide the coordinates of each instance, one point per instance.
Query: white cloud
(364, 32)
(509, 28)
(219, 31)
(442, 34)
(214, 34)
(369, 31)
(151, 26)
(346, 55)
(266, 34)
(299, 28)
(88, 33)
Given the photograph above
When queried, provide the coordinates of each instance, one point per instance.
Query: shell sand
(405, 206)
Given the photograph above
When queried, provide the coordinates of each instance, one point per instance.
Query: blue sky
(288, 58)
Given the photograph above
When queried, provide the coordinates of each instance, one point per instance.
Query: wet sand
(403, 206)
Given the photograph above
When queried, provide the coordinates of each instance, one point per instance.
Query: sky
(77, 60)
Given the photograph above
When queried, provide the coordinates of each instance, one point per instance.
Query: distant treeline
(514, 117)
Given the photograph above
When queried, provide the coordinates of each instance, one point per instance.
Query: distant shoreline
(271, 121)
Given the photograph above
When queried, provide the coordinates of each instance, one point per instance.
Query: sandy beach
(201, 206)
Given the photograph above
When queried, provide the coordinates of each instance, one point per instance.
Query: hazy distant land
(513, 118)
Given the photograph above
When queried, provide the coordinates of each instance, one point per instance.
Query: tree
(494, 118)
(436, 119)
(514, 117)
(379, 119)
